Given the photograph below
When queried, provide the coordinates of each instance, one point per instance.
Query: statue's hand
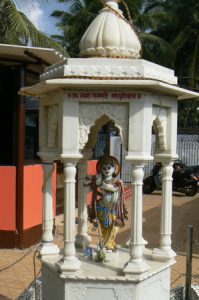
(98, 179)
(87, 180)
(109, 187)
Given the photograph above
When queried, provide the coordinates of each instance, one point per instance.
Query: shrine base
(97, 281)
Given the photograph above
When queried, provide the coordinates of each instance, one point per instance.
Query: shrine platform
(107, 279)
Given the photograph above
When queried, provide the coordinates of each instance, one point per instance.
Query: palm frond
(194, 69)
(162, 52)
(22, 30)
(181, 38)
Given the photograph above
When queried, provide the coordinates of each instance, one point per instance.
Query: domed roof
(110, 35)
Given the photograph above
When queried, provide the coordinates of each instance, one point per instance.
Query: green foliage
(74, 23)
(188, 115)
(179, 26)
(16, 28)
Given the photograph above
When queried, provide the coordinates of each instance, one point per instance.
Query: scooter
(183, 181)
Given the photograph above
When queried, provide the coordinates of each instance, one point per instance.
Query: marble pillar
(136, 264)
(47, 246)
(82, 238)
(69, 262)
(165, 252)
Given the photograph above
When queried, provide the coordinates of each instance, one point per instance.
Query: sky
(40, 16)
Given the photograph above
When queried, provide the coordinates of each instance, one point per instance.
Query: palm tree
(180, 27)
(16, 28)
(155, 48)
(74, 23)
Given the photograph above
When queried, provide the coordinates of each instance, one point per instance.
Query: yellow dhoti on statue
(109, 235)
(108, 229)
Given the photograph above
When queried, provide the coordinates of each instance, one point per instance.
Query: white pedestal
(48, 249)
(106, 280)
(163, 254)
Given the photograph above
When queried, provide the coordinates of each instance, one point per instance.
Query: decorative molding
(108, 51)
(77, 292)
(160, 127)
(52, 121)
(83, 136)
(160, 132)
(122, 293)
(107, 68)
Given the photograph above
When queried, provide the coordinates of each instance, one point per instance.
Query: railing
(188, 153)
(187, 150)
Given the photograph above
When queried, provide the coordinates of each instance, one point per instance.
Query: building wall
(33, 182)
(31, 212)
(7, 198)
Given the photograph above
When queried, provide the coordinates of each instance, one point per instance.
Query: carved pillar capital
(165, 158)
(70, 158)
(46, 157)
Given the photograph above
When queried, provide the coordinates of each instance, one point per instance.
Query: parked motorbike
(183, 180)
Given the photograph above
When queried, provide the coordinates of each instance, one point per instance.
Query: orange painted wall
(54, 188)
(91, 170)
(33, 181)
(7, 198)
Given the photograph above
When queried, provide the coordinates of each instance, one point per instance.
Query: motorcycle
(183, 180)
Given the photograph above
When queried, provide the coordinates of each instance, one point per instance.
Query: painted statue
(107, 211)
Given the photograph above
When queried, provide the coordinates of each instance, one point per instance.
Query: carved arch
(97, 126)
(160, 132)
(94, 115)
(160, 127)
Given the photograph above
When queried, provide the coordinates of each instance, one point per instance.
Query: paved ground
(14, 279)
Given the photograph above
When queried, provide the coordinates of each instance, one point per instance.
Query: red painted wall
(33, 181)
(91, 170)
(7, 198)
(91, 167)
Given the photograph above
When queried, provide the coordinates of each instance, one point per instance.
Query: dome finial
(110, 35)
(112, 3)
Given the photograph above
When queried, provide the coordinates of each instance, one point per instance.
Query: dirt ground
(17, 268)
(185, 212)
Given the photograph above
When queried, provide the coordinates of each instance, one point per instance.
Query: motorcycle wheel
(191, 190)
(148, 185)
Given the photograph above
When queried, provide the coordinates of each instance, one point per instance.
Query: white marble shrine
(77, 97)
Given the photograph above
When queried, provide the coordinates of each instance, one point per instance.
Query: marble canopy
(77, 97)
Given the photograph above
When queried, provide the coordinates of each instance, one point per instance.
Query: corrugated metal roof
(30, 54)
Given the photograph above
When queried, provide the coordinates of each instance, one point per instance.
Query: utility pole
(189, 263)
